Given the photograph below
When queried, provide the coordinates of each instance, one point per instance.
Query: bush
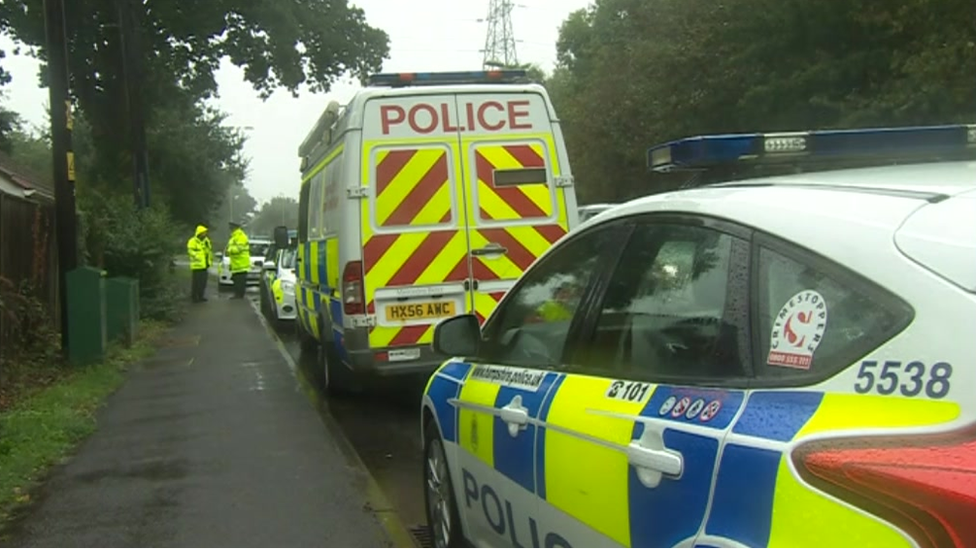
(31, 334)
(135, 243)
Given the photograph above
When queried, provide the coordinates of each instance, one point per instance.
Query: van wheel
(443, 518)
(339, 380)
(307, 343)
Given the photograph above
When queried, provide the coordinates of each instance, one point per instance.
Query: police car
(771, 362)
(258, 249)
(278, 284)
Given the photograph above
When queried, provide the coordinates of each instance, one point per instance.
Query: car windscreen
(259, 250)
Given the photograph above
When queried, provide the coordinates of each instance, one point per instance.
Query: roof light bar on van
(396, 80)
(890, 143)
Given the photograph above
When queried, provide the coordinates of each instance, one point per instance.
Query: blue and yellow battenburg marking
(757, 500)
(778, 509)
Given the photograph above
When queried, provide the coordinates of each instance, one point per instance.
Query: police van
(423, 198)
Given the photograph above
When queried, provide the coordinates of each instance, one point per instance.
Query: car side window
(676, 307)
(532, 325)
(814, 324)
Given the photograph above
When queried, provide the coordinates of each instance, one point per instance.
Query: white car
(259, 249)
(774, 362)
(278, 286)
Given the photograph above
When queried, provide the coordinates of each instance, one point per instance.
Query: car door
(508, 386)
(631, 436)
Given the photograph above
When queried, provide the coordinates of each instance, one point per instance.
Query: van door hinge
(356, 192)
(565, 181)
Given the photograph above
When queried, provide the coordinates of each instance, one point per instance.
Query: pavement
(212, 442)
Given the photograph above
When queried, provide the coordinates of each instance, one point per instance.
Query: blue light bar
(396, 80)
(893, 143)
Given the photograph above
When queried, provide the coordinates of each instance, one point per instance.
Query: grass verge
(42, 428)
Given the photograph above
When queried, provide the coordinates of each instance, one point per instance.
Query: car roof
(813, 194)
(853, 216)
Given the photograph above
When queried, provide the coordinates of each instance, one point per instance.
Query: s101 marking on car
(699, 369)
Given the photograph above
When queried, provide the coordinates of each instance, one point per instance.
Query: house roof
(18, 180)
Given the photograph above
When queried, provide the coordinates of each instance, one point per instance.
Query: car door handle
(663, 461)
(515, 415)
(651, 459)
(493, 248)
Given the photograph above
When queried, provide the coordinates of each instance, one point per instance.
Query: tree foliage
(633, 73)
(279, 44)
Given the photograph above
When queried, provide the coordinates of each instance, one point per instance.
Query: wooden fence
(28, 257)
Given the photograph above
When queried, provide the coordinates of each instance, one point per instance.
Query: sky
(277, 126)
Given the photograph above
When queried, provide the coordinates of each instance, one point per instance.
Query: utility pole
(130, 30)
(64, 160)
(500, 40)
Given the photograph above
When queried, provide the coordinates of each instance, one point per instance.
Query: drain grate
(421, 534)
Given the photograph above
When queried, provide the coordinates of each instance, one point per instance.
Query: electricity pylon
(500, 40)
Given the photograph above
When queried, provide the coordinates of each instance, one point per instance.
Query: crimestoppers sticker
(798, 330)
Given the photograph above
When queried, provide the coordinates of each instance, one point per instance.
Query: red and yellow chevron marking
(527, 201)
(535, 200)
(413, 188)
(485, 303)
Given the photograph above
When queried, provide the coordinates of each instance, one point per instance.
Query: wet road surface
(383, 426)
(210, 443)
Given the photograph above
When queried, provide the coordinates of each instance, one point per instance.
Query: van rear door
(516, 207)
(414, 232)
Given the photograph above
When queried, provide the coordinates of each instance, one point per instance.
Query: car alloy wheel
(440, 499)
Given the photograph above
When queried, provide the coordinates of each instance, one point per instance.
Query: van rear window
(514, 178)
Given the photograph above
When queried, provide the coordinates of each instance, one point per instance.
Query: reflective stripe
(782, 511)
(476, 430)
(597, 498)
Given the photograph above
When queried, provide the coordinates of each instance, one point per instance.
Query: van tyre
(338, 379)
(307, 343)
(440, 505)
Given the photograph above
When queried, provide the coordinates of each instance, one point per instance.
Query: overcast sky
(418, 42)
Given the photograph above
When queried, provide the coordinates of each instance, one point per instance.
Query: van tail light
(353, 298)
(924, 484)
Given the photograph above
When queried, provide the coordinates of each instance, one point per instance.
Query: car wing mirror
(458, 336)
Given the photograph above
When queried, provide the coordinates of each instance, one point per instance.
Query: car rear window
(815, 318)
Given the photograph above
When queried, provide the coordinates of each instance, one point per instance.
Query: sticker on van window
(798, 330)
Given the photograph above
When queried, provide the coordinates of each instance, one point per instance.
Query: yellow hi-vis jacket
(200, 250)
(239, 252)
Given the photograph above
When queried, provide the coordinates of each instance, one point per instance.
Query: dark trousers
(240, 283)
(198, 284)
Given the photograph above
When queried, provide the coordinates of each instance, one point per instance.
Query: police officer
(200, 250)
(239, 252)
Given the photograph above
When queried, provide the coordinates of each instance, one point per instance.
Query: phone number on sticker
(910, 379)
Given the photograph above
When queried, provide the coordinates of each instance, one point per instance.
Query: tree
(280, 210)
(633, 73)
(284, 43)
